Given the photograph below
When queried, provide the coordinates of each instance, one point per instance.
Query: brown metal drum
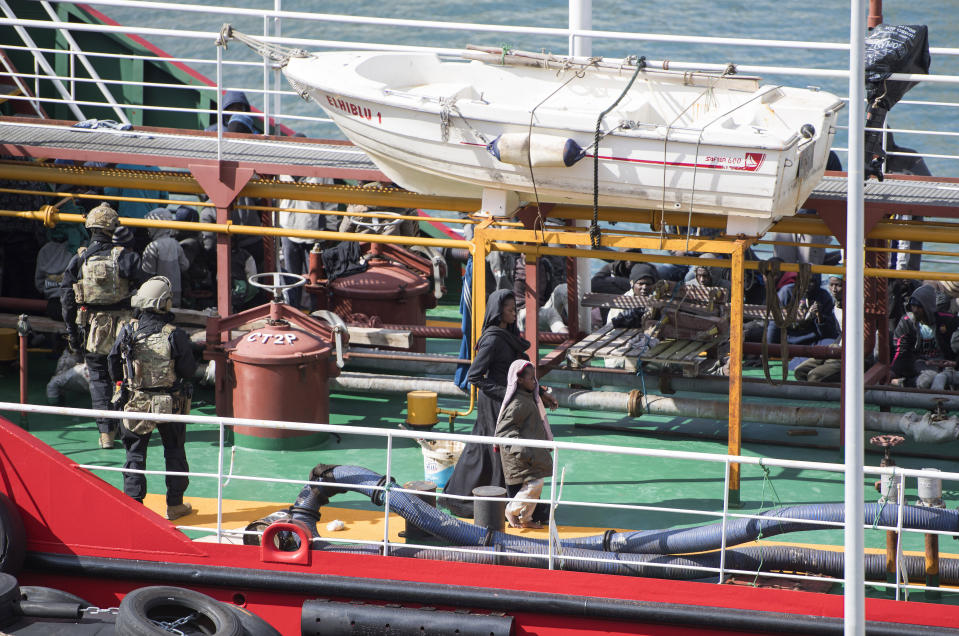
(282, 374)
(395, 294)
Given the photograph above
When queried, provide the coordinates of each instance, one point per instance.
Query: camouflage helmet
(102, 217)
(156, 294)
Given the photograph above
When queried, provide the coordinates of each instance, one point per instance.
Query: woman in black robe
(498, 346)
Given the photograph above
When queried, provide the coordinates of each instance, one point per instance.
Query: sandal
(513, 520)
(536, 525)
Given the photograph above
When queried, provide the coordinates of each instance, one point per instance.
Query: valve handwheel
(885, 441)
(277, 287)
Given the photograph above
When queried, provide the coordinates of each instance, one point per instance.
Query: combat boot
(175, 512)
(106, 439)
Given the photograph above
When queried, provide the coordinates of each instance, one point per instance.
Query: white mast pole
(581, 17)
(854, 593)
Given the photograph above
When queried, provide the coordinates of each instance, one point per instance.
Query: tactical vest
(151, 358)
(100, 281)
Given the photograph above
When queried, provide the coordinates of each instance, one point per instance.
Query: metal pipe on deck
(633, 403)
(876, 395)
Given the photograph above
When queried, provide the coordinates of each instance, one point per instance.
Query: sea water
(752, 19)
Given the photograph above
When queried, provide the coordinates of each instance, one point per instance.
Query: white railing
(224, 474)
(282, 106)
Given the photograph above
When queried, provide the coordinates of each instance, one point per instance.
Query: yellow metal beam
(609, 239)
(737, 300)
(182, 182)
(49, 216)
(540, 250)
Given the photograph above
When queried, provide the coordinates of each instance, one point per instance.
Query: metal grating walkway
(152, 148)
(907, 193)
(314, 157)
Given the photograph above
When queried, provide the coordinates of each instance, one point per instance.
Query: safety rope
(594, 232)
(273, 52)
(540, 223)
(782, 319)
(884, 499)
(707, 92)
(759, 535)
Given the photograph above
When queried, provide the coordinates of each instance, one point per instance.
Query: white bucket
(439, 459)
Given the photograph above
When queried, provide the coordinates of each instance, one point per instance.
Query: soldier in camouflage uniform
(95, 294)
(151, 362)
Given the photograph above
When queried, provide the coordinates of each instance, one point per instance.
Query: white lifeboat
(676, 141)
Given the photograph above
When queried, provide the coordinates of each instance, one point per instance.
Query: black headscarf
(492, 318)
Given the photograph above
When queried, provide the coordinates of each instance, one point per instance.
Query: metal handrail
(555, 498)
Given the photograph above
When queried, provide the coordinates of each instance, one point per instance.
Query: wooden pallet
(688, 354)
(695, 302)
(626, 347)
(584, 351)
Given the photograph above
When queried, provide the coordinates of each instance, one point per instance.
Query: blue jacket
(823, 328)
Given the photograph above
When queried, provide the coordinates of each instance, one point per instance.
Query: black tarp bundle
(890, 49)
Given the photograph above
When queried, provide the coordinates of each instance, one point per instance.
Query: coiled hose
(673, 541)
(774, 558)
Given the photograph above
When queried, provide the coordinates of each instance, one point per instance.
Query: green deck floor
(689, 485)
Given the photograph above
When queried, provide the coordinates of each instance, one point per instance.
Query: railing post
(722, 547)
(277, 76)
(219, 102)
(386, 495)
(553, 486)
(854, 603)
(219, 482)
(266, 90)
(900, 502)
(581, 17)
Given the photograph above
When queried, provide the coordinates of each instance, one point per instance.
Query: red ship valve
(277, 288)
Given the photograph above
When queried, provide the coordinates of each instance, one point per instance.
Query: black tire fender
(38, 594)
(9, 595)
(142, 606)
(252, 624)
(13, 537)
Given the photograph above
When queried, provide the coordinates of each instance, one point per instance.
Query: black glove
(632, 319)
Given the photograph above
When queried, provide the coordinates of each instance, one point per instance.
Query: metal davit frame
(532, 243)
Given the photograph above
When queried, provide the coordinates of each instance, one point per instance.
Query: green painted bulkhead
(126, 66)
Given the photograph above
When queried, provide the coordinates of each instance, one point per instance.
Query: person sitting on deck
(925, 342)
(707, 276)
(642, 279)
(815, 322)
(233, 102)
(612, 278)
(830, 369)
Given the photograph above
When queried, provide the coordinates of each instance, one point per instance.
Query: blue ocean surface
(744, 19)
